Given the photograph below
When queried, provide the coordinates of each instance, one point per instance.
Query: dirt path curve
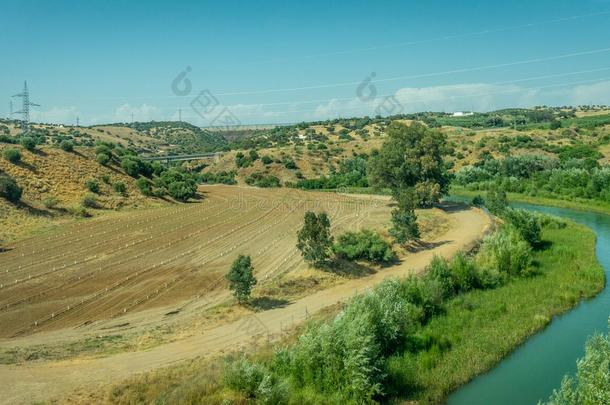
(28, 383)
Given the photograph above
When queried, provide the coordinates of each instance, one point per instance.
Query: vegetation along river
(537, 367)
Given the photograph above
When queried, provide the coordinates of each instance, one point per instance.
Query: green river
(534, 369)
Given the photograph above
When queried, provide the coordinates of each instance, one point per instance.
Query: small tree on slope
(241, 278)
(314, 239)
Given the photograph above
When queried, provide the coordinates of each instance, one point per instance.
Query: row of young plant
(346, 360)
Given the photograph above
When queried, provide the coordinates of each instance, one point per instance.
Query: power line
(26, 104)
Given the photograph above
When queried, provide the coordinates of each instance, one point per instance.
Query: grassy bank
(480, 327)
(465, 336)
(575, 204)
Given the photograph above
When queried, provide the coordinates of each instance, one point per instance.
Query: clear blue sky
(292, 61)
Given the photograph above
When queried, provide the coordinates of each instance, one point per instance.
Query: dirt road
(27, 383)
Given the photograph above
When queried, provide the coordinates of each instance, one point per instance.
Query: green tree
(410, 163)
(411, 158)
(314, 239)
(241, 278)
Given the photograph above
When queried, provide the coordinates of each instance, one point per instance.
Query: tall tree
(314, 239)
(410, 163)
(411, 158)
(241, 278)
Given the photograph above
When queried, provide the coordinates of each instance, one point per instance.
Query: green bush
(527, 223)
(263, 180)
(145, 186)
(28, 142)
(366, 245)
(266, 160)
(93, 186)
(50, 202)
(119, 187)
(9, 188)
(12, 155)
(67, 146)
(506, 251)
(182, 190)
(102, 158)
(89, 201)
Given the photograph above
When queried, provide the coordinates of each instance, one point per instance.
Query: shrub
(182, 190)
(28, 142)
(506, 251)
(89, 201)
(93, 186)
(266, 160)
(263, 180)
(67, 146)
(144, 185)
(290, 164)
(105, 178)
(527, 223)
(241, 278)
(119, 187)
(365, 244)
(102, 159)
(50, 202)
(12, 155)
(9, 188)
(244, 376)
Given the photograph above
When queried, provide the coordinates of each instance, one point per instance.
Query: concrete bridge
(180, 158)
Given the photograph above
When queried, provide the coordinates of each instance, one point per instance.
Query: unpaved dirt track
(43, 381)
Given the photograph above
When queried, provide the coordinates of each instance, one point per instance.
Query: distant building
(462, 114)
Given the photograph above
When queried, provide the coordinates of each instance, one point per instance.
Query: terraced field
(124, 263)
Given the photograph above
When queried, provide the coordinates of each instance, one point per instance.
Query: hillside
(54, 184)
(319, 148)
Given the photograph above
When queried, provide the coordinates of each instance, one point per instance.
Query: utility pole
(25, 110)
(180, 114)
(132, 117)
(77, 122)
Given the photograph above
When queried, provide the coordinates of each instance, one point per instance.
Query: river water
(533, 370)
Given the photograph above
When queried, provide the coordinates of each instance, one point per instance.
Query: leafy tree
(411, 157)
(410, 163)
(314, 239)
(9, 188)
(241, 278)
(12, 155)
(404, 220)
(181, 190)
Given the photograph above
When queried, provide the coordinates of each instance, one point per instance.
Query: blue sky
(288, 61)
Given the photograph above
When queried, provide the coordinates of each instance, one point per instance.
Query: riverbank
(481, 327)
(578, 204)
